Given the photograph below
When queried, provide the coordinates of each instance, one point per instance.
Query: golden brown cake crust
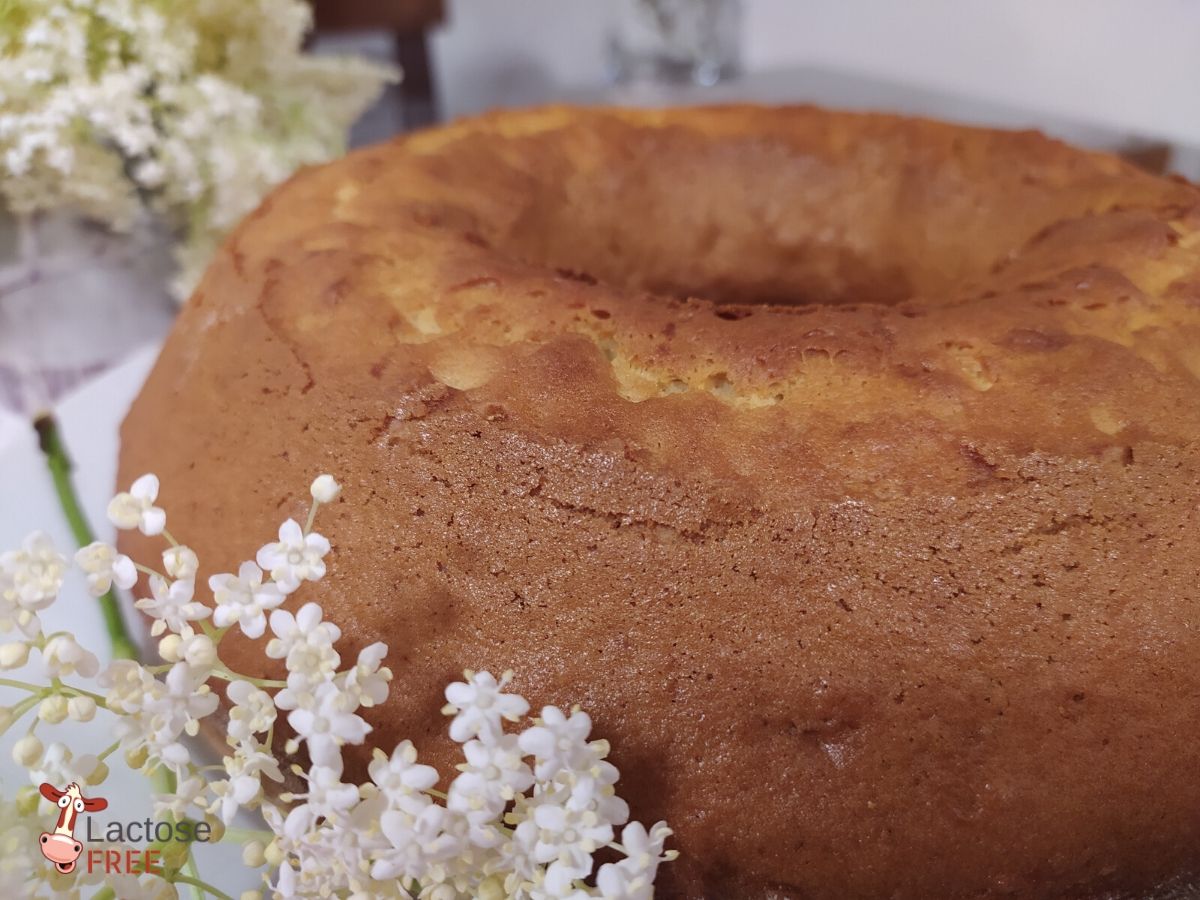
(878, 563)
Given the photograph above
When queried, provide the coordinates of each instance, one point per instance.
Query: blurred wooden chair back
(408, 21)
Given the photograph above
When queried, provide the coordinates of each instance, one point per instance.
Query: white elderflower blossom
(190, 795)
(558, 742)
(30, 578)
(564, 833)
(104, 567)
(244, 600)
(59, 765)
(617, 883)
(253, 711)
(327, 723)
(180, 562)
(366, 682)
(327, 795)
(14, 654)
(304, 641)
(166, 711)
(556, 882)
(119, 109)
(53, 709)
(417, 844)
(325, 489)
(187, 698)
(20, 824)
(295, 557)
(494, 773)
(242, 788)
(15, 619)
(523, 816)
(27, 752)
(62, 657)
(197, 650)
(402, 779)
(172, 606)
(136, 509)
(633, 877)
(128, 685)
(81, 709)
(480, 707)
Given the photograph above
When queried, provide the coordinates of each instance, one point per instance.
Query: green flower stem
(228, 675)
(22, 685)
(202, 885)
(164, 780)
(166, 783)
(59, 463)
(109, 750)
(312, 516)
(146, 570)
(21, 708)
(192, 871)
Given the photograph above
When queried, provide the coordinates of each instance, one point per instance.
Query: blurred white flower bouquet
(190, 111)
(521, 818)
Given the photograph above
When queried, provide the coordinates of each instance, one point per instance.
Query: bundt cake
(845, 468)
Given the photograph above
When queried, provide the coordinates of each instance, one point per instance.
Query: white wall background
(1131, 64)
(1126, 63)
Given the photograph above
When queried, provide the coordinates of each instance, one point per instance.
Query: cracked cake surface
(845, 468)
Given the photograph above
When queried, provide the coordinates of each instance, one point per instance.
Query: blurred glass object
(75, 297)
(676, 41)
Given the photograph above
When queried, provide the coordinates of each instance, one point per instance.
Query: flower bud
(324, 489)
(175, 854)
(27, 751)
(251, 895)
(14, 655)
(27, 800)
(135, 759)
(216, 828)
(168, 648)
(180, 562)
(273, 854)
(252, 854)
(201, 652)
(81, 709)
(443, 892)
(53, 709)
(492, 889)
(99, 774)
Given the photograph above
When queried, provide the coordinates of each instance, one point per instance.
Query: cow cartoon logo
(59, 846)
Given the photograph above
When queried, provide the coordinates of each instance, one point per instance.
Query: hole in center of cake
(724, 264)
(732, 222)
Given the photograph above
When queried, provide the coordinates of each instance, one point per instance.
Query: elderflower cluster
(524, 816)
(188, 110)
